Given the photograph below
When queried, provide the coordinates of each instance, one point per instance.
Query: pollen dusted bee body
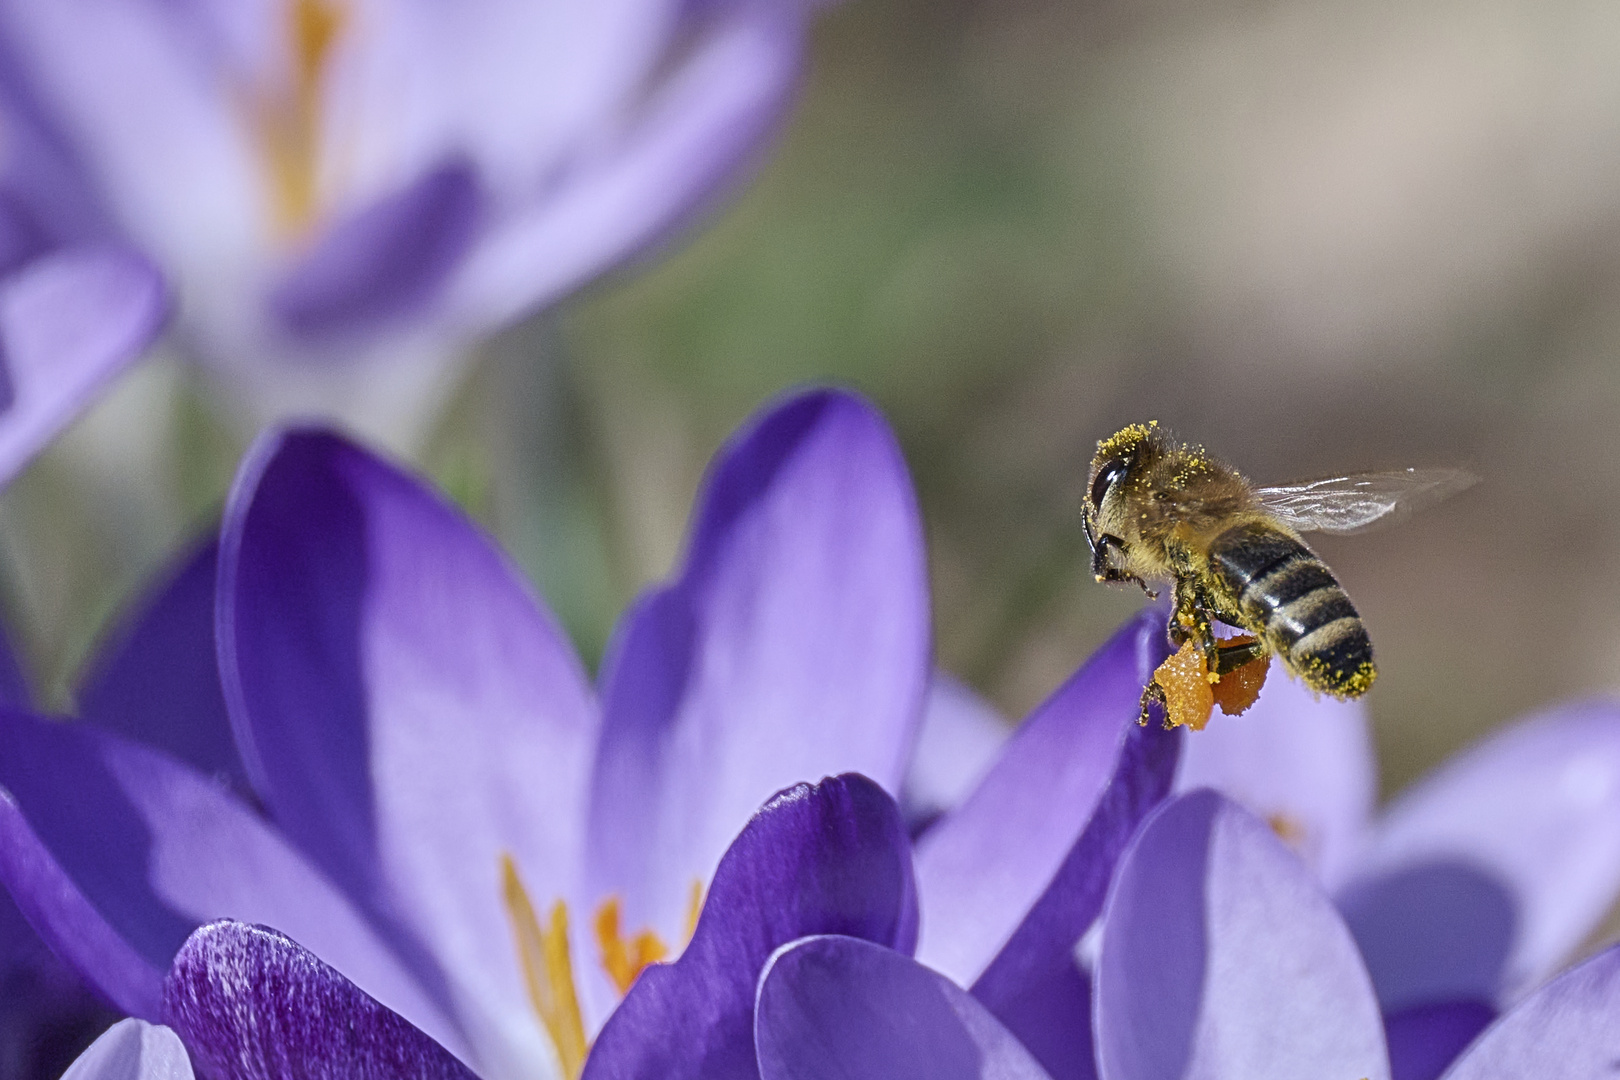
(1159, 510)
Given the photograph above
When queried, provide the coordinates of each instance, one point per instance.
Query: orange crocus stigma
(548, 971)
(289, 117)
(622, 959)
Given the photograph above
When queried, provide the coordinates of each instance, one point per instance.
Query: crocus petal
(1424, 1039)
(155, 677)
(116, 876)
(837, 1008)
(384, 262)
(1484, 876)
(69, 322)
(47, 1014)
(253, 1005)
(1564, 1031)
(409, 712)
(1222, 958)
(825, 859)
(960, 737)
(133, 1050)
(794, 644)
(701, 123)
(1044, 790)
(1299, 760)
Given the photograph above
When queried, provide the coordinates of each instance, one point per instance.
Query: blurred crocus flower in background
(1472, 887)
(77, 303)
(347, 194)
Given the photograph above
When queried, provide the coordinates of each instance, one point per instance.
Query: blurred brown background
(1315, 235)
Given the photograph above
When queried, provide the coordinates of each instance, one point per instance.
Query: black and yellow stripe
(1292, 597)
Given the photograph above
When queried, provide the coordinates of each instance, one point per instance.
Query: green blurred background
(1315, 235)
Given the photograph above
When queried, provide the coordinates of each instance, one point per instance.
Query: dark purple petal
(115, 876)
(1302, 761)
(1424, 1039)
(409, 712)
(47, 1014)
(156, 680)
(794, 644)
(251, 1004)
(133, 1050)
(1566, 1030)
(1071, 786)
(694, 132)
(1482, 878)
(1221, 957)
(825, 859)
(69, 322)
(837, 1008)
(385, 262)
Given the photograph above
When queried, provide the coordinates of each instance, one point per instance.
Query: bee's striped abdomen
(1291, 595)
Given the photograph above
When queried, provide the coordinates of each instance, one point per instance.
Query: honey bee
(1160, 510)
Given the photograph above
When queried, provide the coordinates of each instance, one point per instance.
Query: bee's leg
(1104, 571)
(1153, 694)
(1189, 620)
(1231, 657)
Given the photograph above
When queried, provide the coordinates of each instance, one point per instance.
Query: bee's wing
(1345, 504)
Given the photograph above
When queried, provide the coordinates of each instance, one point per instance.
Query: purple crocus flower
(421, 786)
(348, 193)
(1472, 887)
(423, 791)
(1220, 958)
(76, 303)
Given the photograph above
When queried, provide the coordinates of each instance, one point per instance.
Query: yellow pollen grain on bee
(624, 959)
(548, 971)
(289, 117)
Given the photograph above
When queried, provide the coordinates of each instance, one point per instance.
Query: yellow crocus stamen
(621, 959)
(290, 120)
(547, 970)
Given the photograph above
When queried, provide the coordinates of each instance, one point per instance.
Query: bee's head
(1119, 457)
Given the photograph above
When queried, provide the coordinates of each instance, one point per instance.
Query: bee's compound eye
(1111, 471)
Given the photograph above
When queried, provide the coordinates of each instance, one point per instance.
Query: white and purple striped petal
(251, 1004)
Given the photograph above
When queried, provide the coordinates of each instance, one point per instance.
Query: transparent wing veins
(1347, 504)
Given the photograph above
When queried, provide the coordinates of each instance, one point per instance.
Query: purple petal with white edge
(251, 1004)
(831, 858)
(794, 644)
(115, 877)
(69, 322)
(1424, 1039)
(960, 736)
(1564, 1031)
(385, 262)
(155, 678)
(409, 712)
(1483, 877)
(133, 1050)
(1221, 957)
(1298, 760)
(1044, 790)
(699, 127)
(838, 1008)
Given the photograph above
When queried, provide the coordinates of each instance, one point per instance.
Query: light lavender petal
(133, 1050)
